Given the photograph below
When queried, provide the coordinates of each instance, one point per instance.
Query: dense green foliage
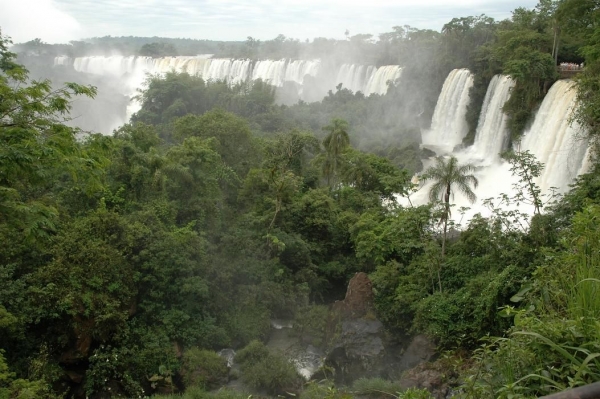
(267, 370)
(128, 259)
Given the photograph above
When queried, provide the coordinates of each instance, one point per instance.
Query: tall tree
(335, 143)
(35, 144)
(447, 175)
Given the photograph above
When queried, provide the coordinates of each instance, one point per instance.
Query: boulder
(427, 377)
(359, 298)
(421, 349)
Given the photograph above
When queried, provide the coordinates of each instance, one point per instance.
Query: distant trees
(158, 49)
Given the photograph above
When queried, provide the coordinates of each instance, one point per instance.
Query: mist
(25, 20)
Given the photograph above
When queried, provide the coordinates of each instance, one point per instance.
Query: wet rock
(356, 338)
(359, 346)
(421, 349)
(425, 377)
(359, 298)
(358, 351)
(79, 348)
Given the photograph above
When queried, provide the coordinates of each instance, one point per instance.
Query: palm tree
(335, 143)
(446, 175)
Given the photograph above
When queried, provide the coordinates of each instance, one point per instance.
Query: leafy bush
(310, 324)
(11, 387)
(199, 393)
(262, 369)
(111, 365)
(415, 393)
(376, 387)
(553, 345)
(203, 368)
(460, 318)
(252, 353)
(321, 391)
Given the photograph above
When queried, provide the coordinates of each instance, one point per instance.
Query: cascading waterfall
(296, 70)
(275, 72)
(367, 79)
(554, 140)
(492, 135)
(354, 77)
(364, 78)
(132, 71)
(448, 126)
(378, 82)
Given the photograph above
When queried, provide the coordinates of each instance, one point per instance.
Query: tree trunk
(443, 251)
(446, 216)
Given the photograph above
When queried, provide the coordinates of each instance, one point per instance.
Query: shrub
(262, 369)
(376, 387)
(310, 324)
(319, 391)
(200, 393)
(203, 368)
(252, 353)
(415, 393)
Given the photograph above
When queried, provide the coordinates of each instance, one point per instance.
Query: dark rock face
(359, 298)
(420, 350)
(356, 338)
(359, 345)
(358, 350)
(422, 376)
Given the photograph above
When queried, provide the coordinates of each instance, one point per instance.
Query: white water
(448, 126)
(492, 134)
(367, 79)
(306, 358)
(132, 71)
(552, 139)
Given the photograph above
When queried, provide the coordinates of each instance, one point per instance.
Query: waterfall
(298, 69)
(275, 72)
(378, 81)
(364, 78)
(367, 79)
(554, 140)
(449, 127)
(130, 72)
(354, 77)
(492, 135)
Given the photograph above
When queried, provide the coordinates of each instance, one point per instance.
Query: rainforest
(410, 215)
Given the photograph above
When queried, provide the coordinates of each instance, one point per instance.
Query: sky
(58, 21)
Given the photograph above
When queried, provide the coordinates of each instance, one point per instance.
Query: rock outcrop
(358, 345)
(356, 338)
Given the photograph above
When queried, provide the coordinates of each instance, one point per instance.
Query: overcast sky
(58, 21)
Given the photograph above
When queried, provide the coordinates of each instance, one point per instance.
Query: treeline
(528, 47)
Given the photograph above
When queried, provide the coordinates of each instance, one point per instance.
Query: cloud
(25, 20)
(263, 19)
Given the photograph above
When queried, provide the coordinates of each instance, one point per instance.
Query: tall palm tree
(335, 143)
(447, 174)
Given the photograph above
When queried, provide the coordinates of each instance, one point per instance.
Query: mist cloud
(25, 20)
